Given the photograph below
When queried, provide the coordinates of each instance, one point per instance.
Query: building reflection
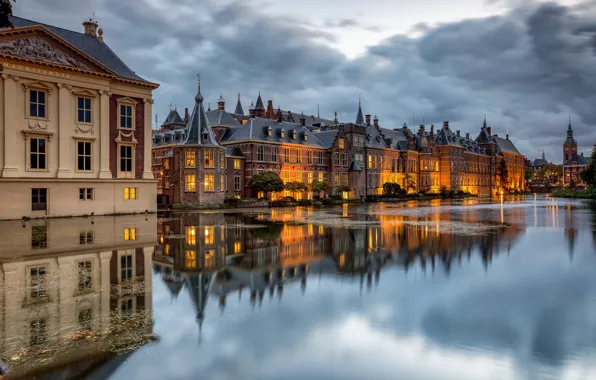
(75, 294)
(214, 256)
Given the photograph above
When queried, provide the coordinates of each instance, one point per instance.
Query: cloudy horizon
(528, 66)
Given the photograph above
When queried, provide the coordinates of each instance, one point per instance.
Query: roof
(173, 118)
(576, 160)
(258, 129)
(540, 162)
(359, 117)
(505, 145)
(396, 138)
(260, 106)
(327, 137)
(90, 45)
(354, 167)
(222, 118)
(311, 120)
(446, 137)
(374, 138)
(198, 129)
(234, 152)
(239, 110)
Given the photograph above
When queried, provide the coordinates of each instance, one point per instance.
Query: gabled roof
(198, 129)
(396, 138)
(257, 129)
(327, 137)
(374, 138)
(505, 145)
(260, 106)
(222, 118)
(89, 45)
(446, 137)
(359, 117)
(540, 162)
(239, 110)
(309, 120)
(173, 118)
(576, 160)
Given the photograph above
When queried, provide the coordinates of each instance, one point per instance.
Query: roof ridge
(44, 24)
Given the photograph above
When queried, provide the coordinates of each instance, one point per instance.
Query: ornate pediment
(38, 48)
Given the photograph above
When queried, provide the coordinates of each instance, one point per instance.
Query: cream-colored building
(74, 290)
(75, 125)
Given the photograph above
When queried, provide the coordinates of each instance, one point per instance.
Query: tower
(570, 145)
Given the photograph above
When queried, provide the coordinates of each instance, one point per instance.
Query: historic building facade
(573, 163)
(75, 125)
(355, 158)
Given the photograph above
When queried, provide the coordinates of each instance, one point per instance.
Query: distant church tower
(569, 146)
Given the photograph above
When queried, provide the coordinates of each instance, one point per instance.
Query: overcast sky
(527, 65)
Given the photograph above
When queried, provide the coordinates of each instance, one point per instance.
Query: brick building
(356, 158)
(573, 163)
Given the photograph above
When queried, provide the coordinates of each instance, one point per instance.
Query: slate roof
(578, 159)
(540, 162)
(90, 45)
(233, 152)
(311, 120)
(199, 130)
(173, 118)
(175, 136)
(359, 117)
(396, 138)
(327, 137)
(446, 137)
(260, 106)
(239, 110)
(222, 118)
(374, 138)
(257, 129)
(354, 167)
(505, 145)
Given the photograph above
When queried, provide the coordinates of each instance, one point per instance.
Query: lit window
(37, 103)
(190, 159)
(341, 143)
(125, 116)
(130, 234)
(190, 183)
(370, 161)
(321, 176)
(237, 247)
(130, 193)
(83, 110)
(191, 259)
(237, 164)
(209, 235)
(37, 153)
(209, 161)
(337, 179)
(209, 182)
(310, 177)
(222, 183)
(84, 155)
(209, 258)
(191, 235)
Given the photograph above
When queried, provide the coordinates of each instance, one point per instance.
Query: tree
(572, 184)
(503, 173)
(295, 187)
(5, 13)
(342, 189)
(411, 184)
(529, 173)
(391, 188)
(267, 182)
(589, 174)
(321, 187)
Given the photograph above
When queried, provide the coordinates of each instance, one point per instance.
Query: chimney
(490, 131)
(302, 120)
(90, 28)
(186, 115)
(468, 135)
(270, 113)
(432, 129)
(367, 119)
(507, 136)
(280, 116)
(446, 124)
(221, 104)
(457, 133)
(376, 121)
(421, 130)
(251, 113)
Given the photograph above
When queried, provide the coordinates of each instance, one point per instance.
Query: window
(84, 274)
(222, 161)
(38, 331)
(310, 177)
(126, 307)
(126, 116)
(130, 193)
(321, 155)
(274, 154)
(84, 155)
(166, 163)
(126, 161)
(83, 110)
(37, 103)
(341, 143)
(359, 158)
(191, 235)
(86, 237)
(37, 153)
(39, 199)
(209, 161)
(39, 236)
(191, 259)
(222, 183)
(209, 258)
(85, 319)
(344, 159)
(237, 165)
(286, 177)
(336, 179)
(286, 155)
(190, 182)
(190, 159)
(260, 154)
(209, 182)
(336, 159)
(38, 282)
(298, 176)
(345, 178)
(130, 234)
(126, 268)
(321, 176)
(283, 134)
(237, 183)
(370, 161)
(298, 156)
(209, 235)
(309, 157)
(237, 247)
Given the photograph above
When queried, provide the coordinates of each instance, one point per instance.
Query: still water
(435, 290)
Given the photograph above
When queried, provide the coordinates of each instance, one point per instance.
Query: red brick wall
(139, 135)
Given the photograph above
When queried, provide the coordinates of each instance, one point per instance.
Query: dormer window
(283, 134)
(204, 136)
(305, 137)
(269, 131)
(294, 135)
(163, 139)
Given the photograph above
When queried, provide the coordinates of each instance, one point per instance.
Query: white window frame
(122, 253)
(126, 102)
(90, 142)
(29, 137)
(125, 174)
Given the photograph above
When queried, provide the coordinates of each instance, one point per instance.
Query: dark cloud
(350, 23)
(528, 69)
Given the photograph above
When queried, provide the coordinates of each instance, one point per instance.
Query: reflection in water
(76, 294)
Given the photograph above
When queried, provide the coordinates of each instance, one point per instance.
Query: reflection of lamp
(206, 232)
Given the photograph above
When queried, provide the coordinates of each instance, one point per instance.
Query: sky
(528, 65)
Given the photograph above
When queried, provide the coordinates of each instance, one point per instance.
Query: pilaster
(66, 291)
(148, 270)
(65, 145)
(148, 143)
(104, 287)
(10, 127)
(104, 136)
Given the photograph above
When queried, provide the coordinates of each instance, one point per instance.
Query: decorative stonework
(37, 126)
(130, 135)
(84, 128)
(37, 48)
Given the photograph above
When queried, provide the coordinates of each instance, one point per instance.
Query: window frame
(127, 174)
(237, 164)
(77, 155)
(45, 153)
(237, 183)
(88, 277)
(130, 193)
(39, 196)
(209, 186)
(86, 194)
(209, 159)
(193, 182)
(125, 101)
(84, 109)
(190, 159)
(126, 253)
(37, 89)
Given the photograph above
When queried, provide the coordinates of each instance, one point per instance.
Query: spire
(198, 129)
(239, 110)
(318, 111)
(543, 155)
(484, 124)
(260, 106)
(208, 106)
(335, 119)
(570, 131)
(359, 117)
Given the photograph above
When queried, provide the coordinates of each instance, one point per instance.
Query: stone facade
(75, 132)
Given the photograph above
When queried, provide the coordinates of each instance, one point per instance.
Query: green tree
(267, 182)
(321, 187)
(503, 173)
(391, 188)
(529, 173)
(411, 184)
(342, 188)
(589, 174)
(295, 187)
(5, 13)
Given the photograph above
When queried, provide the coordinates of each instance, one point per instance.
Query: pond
(465, 289)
